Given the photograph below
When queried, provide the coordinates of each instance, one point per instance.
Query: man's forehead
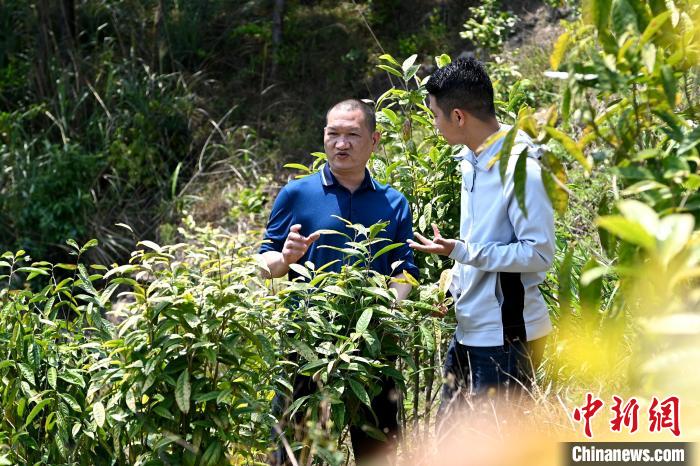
(345, 119)
(343, 124)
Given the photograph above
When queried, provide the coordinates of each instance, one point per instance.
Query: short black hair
(463, 84)
(356, 104)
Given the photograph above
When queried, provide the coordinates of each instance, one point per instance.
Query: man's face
(348, 141)
(445, 124)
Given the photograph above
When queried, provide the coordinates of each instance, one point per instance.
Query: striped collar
(328, 179)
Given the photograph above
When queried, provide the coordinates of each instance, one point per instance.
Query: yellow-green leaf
(570, 146)
(298, 166)
(559, 50)
(628, 230)
(654, 25)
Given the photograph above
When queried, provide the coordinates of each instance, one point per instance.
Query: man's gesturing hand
(438, 245)
(297, 244)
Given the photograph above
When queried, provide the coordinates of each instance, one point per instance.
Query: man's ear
(460, 117)
(376, 136)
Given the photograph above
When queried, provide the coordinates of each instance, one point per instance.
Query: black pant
(365, 447)
(471, 371)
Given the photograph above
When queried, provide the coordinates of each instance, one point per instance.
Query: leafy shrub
(488, 26)
(48, 339)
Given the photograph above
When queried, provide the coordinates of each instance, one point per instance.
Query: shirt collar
(328, 179)
(484, 160)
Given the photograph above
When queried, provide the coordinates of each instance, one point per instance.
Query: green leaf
(564, 281)
(301, 270)
(590, 290)
(150, 245)
(643, 186)
(33, 270)
(51, 376)
(411, 72)
(359, 391)
(677, 230)
(386, 249)
(373, 432)
(380, 292)
(130, 399)
(305, 350)
(212, 454)
(335, 289)
(628, 230)
(307, 368)
(120, 270)
(443, 60)
(296, 405)
(640, 213)
(520, 180)
(392, 116)
(183, 391)
(98, 414)
(554, 180)
(566, 104)
(70, 401)
(173, 180)
(427, 337)
(505, 152)
(389, 58)
(623, 18)
(27, 372)
(391, 70)
(363, 321)
(408, 63)
(202, 397)
(73, 377)
(669, 84)
(36, 410)
(85, 282)
(597, 13)
(163, 412)
(90, 244)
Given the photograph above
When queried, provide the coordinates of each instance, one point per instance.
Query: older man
(344, 188)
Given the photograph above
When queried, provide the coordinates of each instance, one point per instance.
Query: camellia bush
(182, 368)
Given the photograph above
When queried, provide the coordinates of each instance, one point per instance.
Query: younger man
(501, 255)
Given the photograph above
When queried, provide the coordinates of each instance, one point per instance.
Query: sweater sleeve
(533, 247)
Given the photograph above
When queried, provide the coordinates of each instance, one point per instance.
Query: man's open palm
(438, 245)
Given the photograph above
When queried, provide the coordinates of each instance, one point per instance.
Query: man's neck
(480, 132)
(349, 180)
